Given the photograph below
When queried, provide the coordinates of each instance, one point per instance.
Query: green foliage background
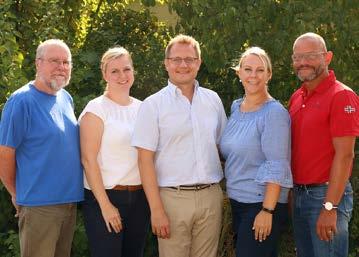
(223, 27)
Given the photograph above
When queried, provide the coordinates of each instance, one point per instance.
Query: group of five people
(158, 161)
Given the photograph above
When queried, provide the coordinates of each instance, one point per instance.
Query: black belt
(308, 186)
(195, 187)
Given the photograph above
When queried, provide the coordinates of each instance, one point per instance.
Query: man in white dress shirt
(176, 133)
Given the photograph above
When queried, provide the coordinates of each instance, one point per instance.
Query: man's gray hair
(40, 51)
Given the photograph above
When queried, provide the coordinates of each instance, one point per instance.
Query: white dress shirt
(184, 135)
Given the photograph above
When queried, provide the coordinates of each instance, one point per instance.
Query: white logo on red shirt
(349, 109)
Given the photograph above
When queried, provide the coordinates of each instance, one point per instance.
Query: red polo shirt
(330, 110)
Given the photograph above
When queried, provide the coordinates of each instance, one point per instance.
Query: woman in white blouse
(115, 209)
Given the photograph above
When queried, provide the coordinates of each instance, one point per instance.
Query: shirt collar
(175, 91)
(322, 86)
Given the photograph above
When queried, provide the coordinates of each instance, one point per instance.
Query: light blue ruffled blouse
(256, 147)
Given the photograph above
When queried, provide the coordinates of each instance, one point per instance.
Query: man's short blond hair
(183, 39)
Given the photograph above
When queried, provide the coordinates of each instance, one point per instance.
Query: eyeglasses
(58, 62)
(307, 56)
(187, 60)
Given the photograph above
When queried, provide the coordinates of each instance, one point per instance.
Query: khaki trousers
(195, 222)
(47, 231)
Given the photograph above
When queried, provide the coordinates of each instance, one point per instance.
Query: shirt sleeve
(275, 143)
(14, 122)
(222, 120)
(344, 114)
(94, 107)
(234, 106)
(146, 131)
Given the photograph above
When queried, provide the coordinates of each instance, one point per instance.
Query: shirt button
(303, 105)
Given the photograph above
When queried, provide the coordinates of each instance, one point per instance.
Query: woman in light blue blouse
(256, 146)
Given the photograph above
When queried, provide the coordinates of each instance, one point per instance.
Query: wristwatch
(329, 206)
(271, 211)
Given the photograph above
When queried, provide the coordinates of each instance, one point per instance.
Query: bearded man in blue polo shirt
(40, 156)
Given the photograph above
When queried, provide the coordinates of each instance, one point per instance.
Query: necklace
(255, 104)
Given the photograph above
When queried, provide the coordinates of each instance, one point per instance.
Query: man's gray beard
(54, 85)
(314, 75)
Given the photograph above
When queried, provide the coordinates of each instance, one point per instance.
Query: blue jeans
(307, 204)
(135, 214)
(243, 215)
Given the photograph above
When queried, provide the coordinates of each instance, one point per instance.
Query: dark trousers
(243, 215)
(135, 214)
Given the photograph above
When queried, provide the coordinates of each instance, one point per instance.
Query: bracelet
(267, 210)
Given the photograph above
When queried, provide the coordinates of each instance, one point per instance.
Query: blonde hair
(183, 39)
(114, 53)
(257, 51)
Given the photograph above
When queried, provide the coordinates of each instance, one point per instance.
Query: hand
(13, 200)
(112, 218)
(160, 224)
(327, 224)
(262, 225)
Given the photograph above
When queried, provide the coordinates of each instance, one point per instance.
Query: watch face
(328, 206)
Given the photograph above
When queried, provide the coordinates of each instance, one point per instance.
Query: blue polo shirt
(43, 130)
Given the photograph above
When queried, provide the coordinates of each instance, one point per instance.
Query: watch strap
(267, 210)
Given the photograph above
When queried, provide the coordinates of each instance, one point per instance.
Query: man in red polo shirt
(325, 123)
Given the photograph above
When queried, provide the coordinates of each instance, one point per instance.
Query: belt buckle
(203, 186)
(195, 187)
(301, 187)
